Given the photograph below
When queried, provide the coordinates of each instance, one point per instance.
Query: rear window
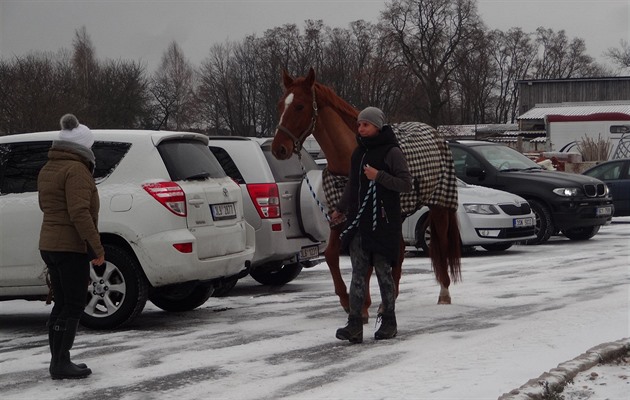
(189, 160)
(289, 170)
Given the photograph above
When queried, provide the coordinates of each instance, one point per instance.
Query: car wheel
(181, 297)
(584, 233)
(117, 291)
(225, 289)
(423, 235)
(276, 274)
(497, 246)
(544, 226)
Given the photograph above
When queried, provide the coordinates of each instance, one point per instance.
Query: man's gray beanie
(372, 115)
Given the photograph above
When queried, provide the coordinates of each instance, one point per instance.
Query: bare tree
(559, 58)
(172, 87)
(429, 33)
(35, 90)
(513, 53)
(620, 56)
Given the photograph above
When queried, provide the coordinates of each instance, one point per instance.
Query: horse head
(298, 115)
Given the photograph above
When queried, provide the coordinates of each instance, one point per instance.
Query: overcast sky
(141, 30)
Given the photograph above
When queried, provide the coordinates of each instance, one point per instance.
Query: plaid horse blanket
(430, 163)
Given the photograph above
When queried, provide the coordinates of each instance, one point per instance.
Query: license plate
(308, 252)
(603, 211)
(522, 222)
(223, 211)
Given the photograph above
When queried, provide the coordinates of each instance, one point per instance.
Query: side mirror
(475, 172)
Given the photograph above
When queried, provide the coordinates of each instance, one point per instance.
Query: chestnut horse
(308, 107)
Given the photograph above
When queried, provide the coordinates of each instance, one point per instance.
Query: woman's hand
(99, 261)
(370, 172)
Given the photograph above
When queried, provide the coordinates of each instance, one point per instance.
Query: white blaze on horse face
(287, 102)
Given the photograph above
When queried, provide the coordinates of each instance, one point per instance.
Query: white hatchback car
(291, 230)
(490, 218)
(171, 222)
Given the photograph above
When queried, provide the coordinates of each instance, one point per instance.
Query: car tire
(276, 274)
(583, 233)
(225, 289)
(544, 225)
(423, 235)
(497, 246)
(175, 301)
(117, 293)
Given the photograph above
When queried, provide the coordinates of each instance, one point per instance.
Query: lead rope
(310, 188)
(370, 192)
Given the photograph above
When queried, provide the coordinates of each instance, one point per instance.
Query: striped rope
(370, 192)
(310, 188)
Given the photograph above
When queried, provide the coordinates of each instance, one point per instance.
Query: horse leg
(331, 254)
(439, 220)
(397, 268)
(445, 295)
(365, 314)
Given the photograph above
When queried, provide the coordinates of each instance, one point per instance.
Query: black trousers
(69, 277)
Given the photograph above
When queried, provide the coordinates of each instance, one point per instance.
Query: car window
(606, 172)
(108, 155)
(189, 159)
(20, 164)
(463, 160)
(290, 169)
(503, 157)
(228, 164)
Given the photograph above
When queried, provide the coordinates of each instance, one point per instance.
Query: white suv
(171, 222)
(291, 229)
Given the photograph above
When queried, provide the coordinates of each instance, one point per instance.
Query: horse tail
(445, 245)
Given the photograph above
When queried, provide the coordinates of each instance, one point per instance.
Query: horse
(309, 108)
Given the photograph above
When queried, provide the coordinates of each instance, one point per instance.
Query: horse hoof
(444, 300)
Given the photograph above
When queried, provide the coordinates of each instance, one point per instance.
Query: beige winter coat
(69, 199)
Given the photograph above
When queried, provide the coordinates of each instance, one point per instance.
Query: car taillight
(183, 247)
(169, 194)
(266, 199)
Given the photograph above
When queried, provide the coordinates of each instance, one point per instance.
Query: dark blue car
(616, 174)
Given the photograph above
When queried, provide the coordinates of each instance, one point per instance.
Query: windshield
(505, 158)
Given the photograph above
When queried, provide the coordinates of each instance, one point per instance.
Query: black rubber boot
(63, 338)
(388, 328)
(51, 333)
(353, 331)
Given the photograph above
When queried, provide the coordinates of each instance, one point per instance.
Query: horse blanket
(430, 163)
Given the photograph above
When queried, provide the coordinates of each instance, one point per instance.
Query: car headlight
(486, 209)
(566, 192)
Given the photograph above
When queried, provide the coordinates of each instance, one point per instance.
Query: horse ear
(310, 78)
(286, 78)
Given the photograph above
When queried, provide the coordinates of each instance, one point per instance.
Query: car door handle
(287, 196)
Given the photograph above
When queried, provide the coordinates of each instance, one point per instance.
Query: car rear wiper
(533, 168)
(198, 177)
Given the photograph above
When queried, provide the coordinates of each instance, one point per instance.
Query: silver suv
(291, 230)
(171, 222)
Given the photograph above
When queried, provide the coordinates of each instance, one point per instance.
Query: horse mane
(326, 97)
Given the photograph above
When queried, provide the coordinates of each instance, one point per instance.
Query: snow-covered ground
(516, 315)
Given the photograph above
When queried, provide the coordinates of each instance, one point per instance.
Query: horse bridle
(297, 141)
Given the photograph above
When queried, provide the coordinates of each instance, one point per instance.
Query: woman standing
(69, 237)
(371, 198)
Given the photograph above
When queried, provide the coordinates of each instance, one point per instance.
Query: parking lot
(515, 315)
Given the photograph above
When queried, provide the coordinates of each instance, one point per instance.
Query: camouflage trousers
(361, 263)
